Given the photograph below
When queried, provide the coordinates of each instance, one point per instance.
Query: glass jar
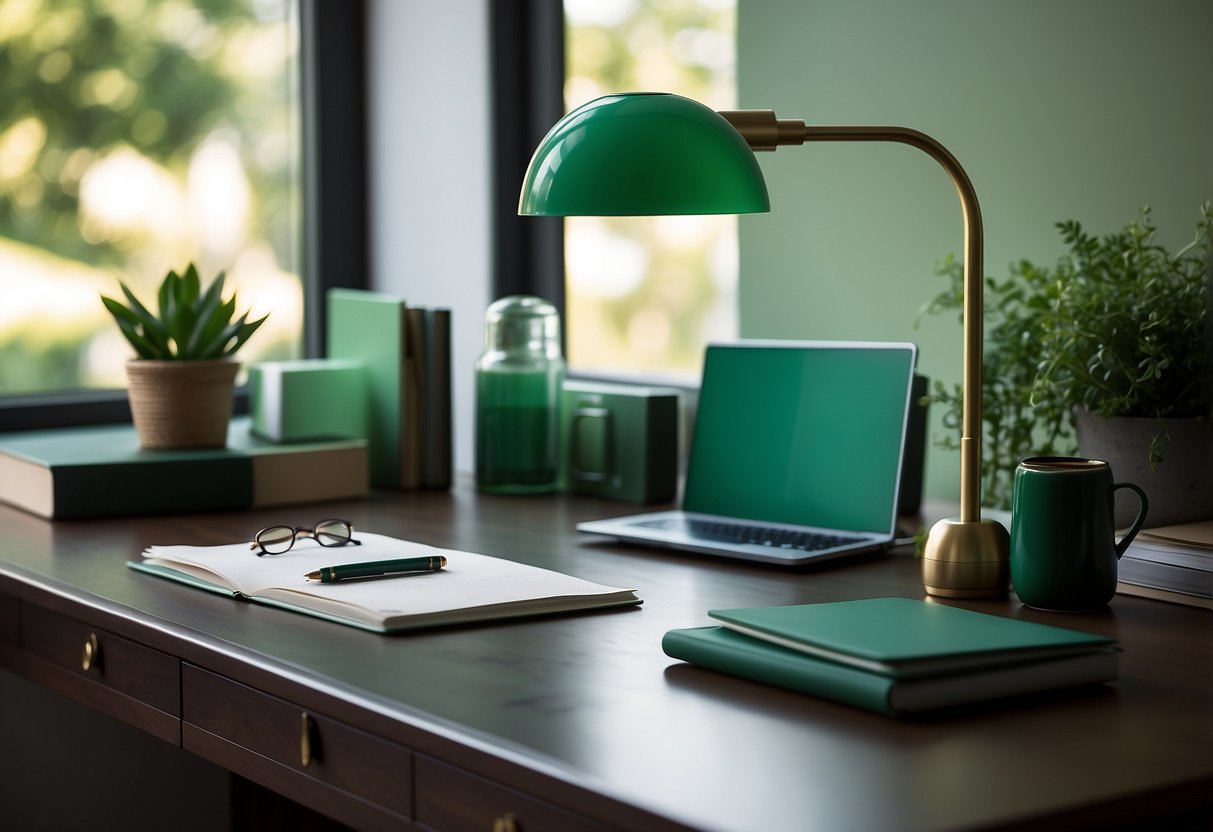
(519, 379)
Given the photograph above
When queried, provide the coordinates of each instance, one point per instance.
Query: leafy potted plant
(1108, 350)
(181, 384)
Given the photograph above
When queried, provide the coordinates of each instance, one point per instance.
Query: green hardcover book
(102, 471)
(894, 655)
(372, 327)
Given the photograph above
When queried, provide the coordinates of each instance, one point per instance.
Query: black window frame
(527, 41)
(334, 229)
(528, 69)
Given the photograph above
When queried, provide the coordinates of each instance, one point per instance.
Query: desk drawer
(450, 799)
(123, 678)
(8, 620)
(312, 759)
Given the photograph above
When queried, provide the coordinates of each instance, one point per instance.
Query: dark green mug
(1064, 550)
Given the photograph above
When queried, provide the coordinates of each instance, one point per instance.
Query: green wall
(1057, 109)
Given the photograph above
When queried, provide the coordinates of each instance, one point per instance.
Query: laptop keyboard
(756, 535)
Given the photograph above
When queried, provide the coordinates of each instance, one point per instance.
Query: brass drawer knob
(506, 823)
(306, 727)
(91, 656)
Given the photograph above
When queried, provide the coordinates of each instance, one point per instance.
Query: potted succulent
(182, 382)
(1106, 354)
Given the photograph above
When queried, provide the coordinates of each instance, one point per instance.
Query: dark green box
(619, 441)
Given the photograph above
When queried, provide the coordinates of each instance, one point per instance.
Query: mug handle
(608, 451)
(1138, 521)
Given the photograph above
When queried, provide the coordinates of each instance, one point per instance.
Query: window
(645, 294)
(138, 135)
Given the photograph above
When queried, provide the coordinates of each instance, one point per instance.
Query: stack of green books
(102, 471)
(896, 656)
(407, 355)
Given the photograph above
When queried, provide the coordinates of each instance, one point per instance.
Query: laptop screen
(805, 433)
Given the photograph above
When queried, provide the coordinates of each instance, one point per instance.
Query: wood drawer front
(123, 678)
(8, 619)
(341, 757)
(450, 799)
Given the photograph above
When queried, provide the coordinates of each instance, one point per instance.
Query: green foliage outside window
(646, 293)
(103, 102)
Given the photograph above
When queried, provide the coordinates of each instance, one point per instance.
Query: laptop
(796, 455)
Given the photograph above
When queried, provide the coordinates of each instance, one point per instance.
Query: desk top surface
(590, 699)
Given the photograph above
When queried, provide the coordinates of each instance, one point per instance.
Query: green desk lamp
(641, 154)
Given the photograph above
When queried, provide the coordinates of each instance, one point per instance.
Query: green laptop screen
(802, 433)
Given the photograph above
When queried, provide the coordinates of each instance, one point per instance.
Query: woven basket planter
(181, 404)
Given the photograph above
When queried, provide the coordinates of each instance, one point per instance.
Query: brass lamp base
(966, 560)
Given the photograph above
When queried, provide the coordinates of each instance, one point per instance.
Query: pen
(376, 569)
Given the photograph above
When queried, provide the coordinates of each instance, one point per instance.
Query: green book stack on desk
(406, 352)
(896, 656)
(101, 471)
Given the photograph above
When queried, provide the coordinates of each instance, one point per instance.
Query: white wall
(1083, 109)
(430, 178)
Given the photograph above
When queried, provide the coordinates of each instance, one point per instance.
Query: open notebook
(796, 456)
(471, 588)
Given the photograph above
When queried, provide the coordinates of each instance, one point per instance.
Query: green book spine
(436, 462)
(371, 327)
(720, 649)
(142, 487)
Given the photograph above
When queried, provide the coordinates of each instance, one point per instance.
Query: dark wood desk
(581, 722)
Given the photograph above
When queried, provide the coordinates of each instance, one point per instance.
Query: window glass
(645, 294)
(137, 136)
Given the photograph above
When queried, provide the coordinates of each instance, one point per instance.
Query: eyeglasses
(275, 540)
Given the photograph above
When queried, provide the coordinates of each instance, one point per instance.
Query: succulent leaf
(164, 295)
(246, 329)
(193, 324)
(190, 286)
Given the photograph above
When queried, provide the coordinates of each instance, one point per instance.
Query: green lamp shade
(642, 154)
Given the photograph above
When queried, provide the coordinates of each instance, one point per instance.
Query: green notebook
(895, 655)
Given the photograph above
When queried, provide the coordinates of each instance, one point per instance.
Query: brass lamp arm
(762, 130)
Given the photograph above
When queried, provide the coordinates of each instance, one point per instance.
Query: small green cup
(1064, 551)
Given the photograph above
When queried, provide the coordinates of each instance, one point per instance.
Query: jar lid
(522, 322)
